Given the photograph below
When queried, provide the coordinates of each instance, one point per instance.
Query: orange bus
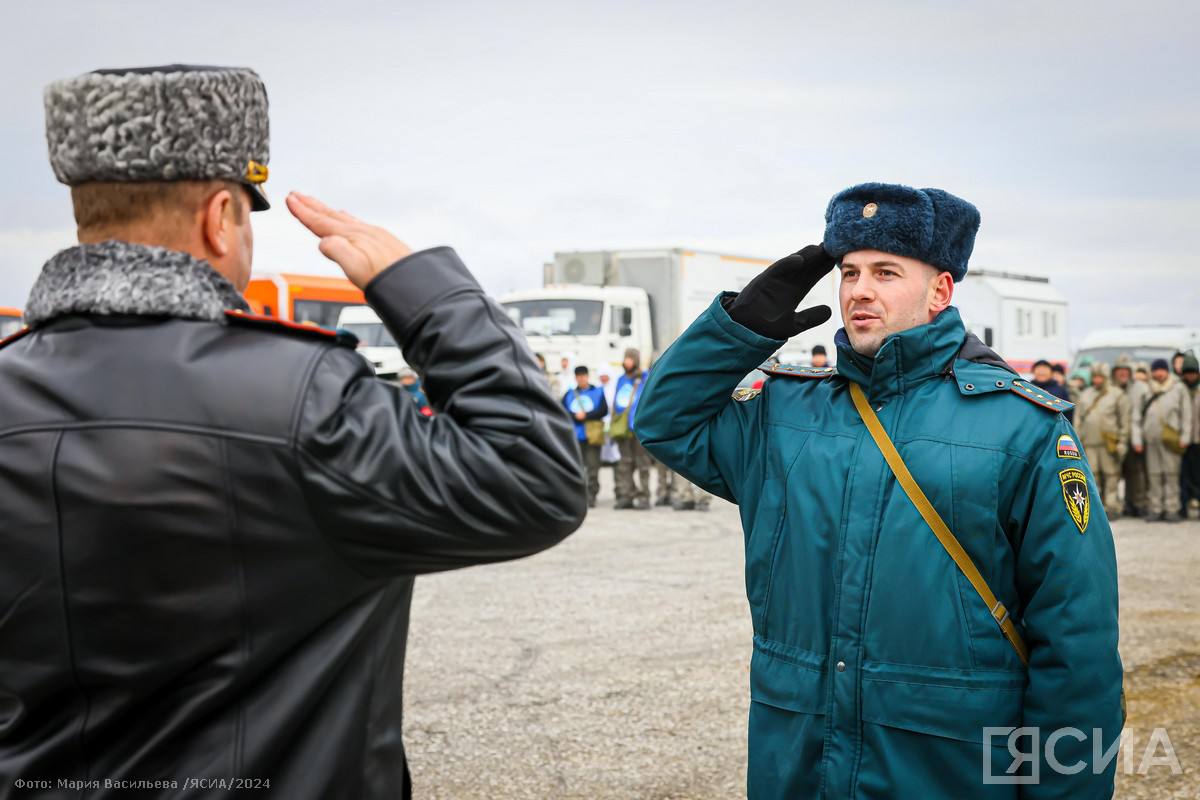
(315, 299)
(10, 321)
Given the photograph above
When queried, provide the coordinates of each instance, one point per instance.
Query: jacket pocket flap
(949, 703)
(787, 677)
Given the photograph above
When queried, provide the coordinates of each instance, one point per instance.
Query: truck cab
(596, 324)
(375, 343)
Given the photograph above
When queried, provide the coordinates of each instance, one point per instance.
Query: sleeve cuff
(404, 290)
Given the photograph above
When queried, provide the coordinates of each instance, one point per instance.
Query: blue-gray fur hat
(167, 123)
(930, 225)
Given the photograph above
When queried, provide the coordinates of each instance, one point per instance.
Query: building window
(1024, 322)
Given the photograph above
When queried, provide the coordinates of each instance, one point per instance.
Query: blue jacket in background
(629, 394)
(876, 666)
(590, 401)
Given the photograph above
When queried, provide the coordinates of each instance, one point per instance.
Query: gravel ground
(616, 665)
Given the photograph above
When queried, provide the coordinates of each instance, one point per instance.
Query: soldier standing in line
(1133, 467)
(631, 492)
(1167, 429)
(1189, 476)
(1103, 423)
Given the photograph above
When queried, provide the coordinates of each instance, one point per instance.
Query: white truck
(1142, 343)
(375, 344)
(595, 304)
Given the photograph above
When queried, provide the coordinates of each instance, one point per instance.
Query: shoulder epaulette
(794, 371)
(12, 337)
(1038, 397)
(276, 325)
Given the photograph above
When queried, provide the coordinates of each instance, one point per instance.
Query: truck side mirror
(626, 321)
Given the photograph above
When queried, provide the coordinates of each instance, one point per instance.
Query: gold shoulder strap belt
(931, 517)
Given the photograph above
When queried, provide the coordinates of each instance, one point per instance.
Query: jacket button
(841, 666)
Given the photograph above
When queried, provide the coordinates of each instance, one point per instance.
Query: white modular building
(1021, 317)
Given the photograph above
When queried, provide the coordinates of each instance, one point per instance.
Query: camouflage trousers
(589, 455)
(667, 481)
(1134, 472)
(1162, 473)
(688, 492)
(1107, 469)
(634, 458)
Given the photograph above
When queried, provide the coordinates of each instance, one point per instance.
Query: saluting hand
(361, 250)
(767, 305)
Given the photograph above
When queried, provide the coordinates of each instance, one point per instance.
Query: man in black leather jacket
(212, 521)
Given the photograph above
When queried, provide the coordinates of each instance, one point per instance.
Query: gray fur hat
(166, 123)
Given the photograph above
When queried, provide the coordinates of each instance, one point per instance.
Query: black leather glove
(767, 305)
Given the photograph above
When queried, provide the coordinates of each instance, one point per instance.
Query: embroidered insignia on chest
(742, 395)
(1075, 494)
(1067, 447)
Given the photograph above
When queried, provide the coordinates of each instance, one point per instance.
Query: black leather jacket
(209, 532)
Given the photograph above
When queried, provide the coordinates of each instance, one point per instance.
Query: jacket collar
(906, 358)
(115, 277)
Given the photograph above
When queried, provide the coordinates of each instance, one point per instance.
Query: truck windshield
(370, 334)
(558, 316)
(9, 326)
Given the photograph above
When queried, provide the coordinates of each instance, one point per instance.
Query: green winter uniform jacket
(876, 666)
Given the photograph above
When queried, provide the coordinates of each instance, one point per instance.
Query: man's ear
(218, 223)
(942, 294)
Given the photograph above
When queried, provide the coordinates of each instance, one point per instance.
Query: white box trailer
(1022, 317)
(595, 304)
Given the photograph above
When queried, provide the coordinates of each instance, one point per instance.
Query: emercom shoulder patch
(1076, 496)
(1067, 448)
(744, 394)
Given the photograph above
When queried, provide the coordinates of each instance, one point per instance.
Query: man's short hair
(1058, 368)
(581, 371)
(1041, 362)
(104, 206)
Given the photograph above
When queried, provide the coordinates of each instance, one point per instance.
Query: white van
(374, 342)
(1139, 342)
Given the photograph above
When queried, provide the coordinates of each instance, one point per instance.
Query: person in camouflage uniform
(1103, 423)
(1133, 466)
(1167, 430)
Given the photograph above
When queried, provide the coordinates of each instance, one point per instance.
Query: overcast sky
(511, 130)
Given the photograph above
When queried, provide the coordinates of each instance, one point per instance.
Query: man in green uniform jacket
(878, 670)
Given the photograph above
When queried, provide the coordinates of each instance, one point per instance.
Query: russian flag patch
(1067, 447)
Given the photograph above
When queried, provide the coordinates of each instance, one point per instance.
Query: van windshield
(1108, 355)
(370, 334)
(556, 317)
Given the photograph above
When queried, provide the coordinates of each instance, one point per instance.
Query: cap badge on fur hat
(930, 225)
